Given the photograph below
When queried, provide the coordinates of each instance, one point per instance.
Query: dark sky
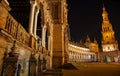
(85, 18)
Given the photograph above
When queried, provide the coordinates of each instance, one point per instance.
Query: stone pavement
(86, 69)
(94, 69)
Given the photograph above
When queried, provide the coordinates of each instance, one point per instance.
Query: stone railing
(74, 43)
(16, 30)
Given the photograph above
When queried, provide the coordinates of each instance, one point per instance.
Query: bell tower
(108, 39)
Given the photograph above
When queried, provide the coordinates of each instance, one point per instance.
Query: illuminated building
(39, 29)
(110, 50)
(83, 52)
(34, 37)
(79, 53)
(109, 43)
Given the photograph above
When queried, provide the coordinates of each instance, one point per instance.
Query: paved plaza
(94, 69)
(86, 69)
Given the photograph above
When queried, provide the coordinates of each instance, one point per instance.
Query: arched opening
(46, 41)
(39, 28)
(18, 70)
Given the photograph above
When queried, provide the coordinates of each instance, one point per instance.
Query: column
(6, 2)
(35, 20)
(32, 10)
(43, 35)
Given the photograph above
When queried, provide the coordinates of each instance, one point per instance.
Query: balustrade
(11, 26)
(17, 31)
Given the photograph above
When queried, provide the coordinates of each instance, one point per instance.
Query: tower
(108, 39)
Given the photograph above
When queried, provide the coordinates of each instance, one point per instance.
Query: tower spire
(107, 31)
(108, 38)
(104, 14)
(103, 4)
(88, 39)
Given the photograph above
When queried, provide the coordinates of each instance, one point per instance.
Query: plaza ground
(94, 69)
(87, 69)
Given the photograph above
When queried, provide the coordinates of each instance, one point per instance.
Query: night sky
(85, 18)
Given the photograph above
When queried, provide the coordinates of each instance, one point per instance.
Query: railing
(16, 30)
(77, 44)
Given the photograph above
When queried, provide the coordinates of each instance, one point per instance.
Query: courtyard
(94, 69)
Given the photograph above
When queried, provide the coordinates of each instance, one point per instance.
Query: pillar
(43, 35)
(35, 20)
(32, 10)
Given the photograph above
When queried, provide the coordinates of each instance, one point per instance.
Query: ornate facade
(40, 30)
(93, 46)
(34, 37)
(79, 53)
(109, 43)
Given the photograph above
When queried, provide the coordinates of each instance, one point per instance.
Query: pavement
(85, 69)
(93, 69)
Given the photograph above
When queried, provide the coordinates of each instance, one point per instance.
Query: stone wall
(2, 51)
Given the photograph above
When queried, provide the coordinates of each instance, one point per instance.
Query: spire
(107, 30)
(105, 14)
(81, 42)
(108, 38)
(87, 42)
(88, 39)
(95, 41)
(103, 7)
